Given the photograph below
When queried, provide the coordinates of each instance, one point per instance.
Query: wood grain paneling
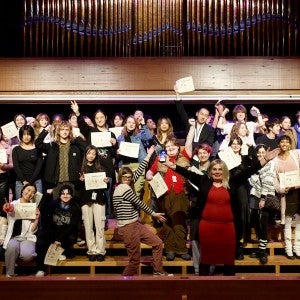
(150, 76)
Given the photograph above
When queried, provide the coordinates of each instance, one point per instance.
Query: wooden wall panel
(149, 76)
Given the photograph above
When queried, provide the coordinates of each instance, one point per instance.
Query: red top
(172, 179)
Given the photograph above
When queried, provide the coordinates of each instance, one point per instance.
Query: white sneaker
(162, 273)
(11, 276)
(62, 257)
(40, 274)
(80, 242)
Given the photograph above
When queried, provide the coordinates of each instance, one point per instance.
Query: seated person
(20, 239)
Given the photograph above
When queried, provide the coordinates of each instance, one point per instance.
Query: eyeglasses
(126, 177)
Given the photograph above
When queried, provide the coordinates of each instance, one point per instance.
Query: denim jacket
(143, 135)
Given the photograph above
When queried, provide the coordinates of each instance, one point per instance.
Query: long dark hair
(97, 164)
(26, 129)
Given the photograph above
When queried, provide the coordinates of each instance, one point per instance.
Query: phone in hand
(162, 156)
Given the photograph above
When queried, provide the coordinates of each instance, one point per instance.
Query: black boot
(262, 256)
(229, 270)
(239, 253)
(204, 270)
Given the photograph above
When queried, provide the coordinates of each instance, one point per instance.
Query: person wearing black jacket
(107, 154)
(204, 133)
(58, 224)
(64, 158)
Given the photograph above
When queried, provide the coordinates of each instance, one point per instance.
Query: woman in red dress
(216, 227)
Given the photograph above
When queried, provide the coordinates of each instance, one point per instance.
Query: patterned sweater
(126, 203)
(262, 183)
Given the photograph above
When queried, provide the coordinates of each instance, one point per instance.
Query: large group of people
(217, 186)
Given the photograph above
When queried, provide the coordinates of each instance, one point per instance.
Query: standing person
(59, 225)
(270, 138)
(27, 161)
(118, 120)
(239, 114)
(132, 134)
(204, 133)
(164, 130)
(216, 227)
(106, 154)
(42, 120)
(5, 167)
(64, 158)
(19, 120)
(287, 129)
(174, 203)
(20, 238)
(56, 120)
(150, 124)
(262, 186)
(287, 161)
(199, 164)
(127, 205)
(93, 207)
(240, 208)
(239, 129)
(297, 128)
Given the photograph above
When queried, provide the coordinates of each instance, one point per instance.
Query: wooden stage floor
(75, 287)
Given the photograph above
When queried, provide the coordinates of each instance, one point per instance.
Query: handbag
(272, 202)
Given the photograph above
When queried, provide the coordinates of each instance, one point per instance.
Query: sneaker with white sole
(40, 274)
(162, 273)
(62, 257)
(11, 276)
(80, 242)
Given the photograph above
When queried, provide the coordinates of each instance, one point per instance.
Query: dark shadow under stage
(146, 287)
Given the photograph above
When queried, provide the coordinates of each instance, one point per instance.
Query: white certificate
(76, 132)
(158, 185)
(3, 156)
(289, 179)
(37, 198)
(129, 149)
(25, 211)
(101, 139)
(185, 85)
(94, 181)
(230, 159)
(52, 255)
(10, 130)
(116, 130)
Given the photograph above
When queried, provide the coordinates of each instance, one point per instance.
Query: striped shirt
(126, 203)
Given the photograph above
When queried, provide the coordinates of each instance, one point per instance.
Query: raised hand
(75, 108)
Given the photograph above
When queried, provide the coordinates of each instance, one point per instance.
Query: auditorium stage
(147, 287)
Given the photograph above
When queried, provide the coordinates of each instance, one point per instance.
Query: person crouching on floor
(20, 239)
(59, 225)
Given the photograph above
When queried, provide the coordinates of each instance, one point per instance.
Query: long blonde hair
(63, 124)
(225, 178)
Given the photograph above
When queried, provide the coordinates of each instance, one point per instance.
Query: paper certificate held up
(3, 156)
(101, 139)
(230, 159)
(116, 130)
(10, 130)
(289, 179)
(129, 149)
(53, 253)
(94, 181)
(185, 85)
(25, 211)
(158, 185)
